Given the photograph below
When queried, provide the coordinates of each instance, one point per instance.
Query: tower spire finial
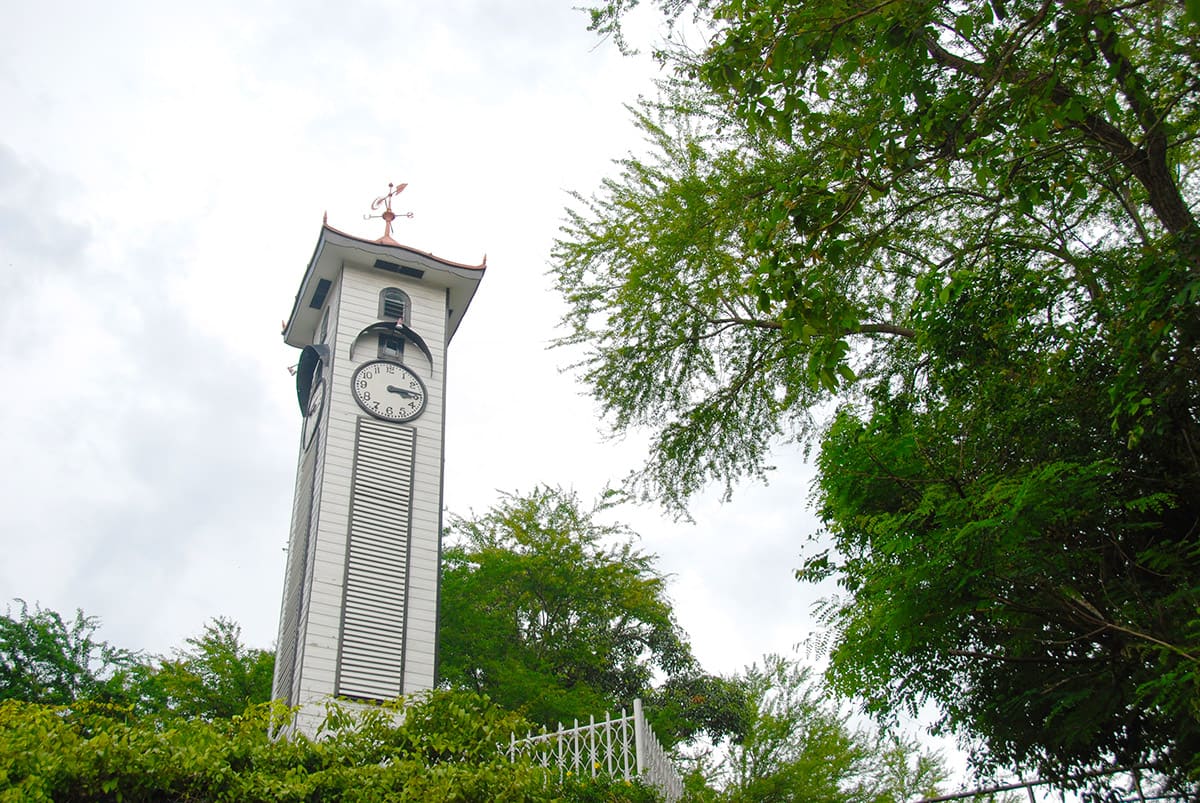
(388, 215)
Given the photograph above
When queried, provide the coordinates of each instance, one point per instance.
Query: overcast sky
(164, 168)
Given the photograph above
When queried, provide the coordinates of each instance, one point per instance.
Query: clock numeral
(366, 395)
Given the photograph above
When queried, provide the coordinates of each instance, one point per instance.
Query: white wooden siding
(293, 619)
(293, 581)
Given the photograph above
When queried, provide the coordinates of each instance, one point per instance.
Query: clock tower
(372, 320)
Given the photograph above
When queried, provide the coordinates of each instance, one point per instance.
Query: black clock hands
(408, 394)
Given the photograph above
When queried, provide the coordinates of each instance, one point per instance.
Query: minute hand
(408, 394)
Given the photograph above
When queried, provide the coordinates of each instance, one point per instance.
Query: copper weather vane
(388, 215)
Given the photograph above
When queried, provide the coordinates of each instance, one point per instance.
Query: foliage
(549, 611)
(446, 749)
(46, 659)
(797, 746)
(217, 676)
(695, 704)
(972, 227)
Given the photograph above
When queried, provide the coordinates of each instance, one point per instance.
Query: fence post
(639, 736)
(558, 746)
(624, 736)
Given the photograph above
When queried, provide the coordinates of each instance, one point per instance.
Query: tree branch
(861, 329)
(1148, 164)
(1017, 659)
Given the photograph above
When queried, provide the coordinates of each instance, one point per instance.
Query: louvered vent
(394, 303)
(372, 651)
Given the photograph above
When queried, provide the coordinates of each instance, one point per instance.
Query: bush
(447, 748)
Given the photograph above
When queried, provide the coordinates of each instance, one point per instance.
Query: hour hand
(408, 394)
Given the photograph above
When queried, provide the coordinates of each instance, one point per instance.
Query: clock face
(312, 415)
(389, 390)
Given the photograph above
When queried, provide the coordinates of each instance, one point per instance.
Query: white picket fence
(622, 748)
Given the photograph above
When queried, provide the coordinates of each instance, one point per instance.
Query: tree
(216, 677)
(971, 227)
(550, 612)
(798, 746)
(45, 659)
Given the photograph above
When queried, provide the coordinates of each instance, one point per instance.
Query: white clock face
(389, 390)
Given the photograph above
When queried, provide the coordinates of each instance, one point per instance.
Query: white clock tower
(372, 319)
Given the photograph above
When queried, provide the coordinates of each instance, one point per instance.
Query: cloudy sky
(164, 168)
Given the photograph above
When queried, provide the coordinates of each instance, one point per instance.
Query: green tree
(694, 704)
(216, 676)
(798, 746)
(46, 659)
(553, 613)
(972, 227)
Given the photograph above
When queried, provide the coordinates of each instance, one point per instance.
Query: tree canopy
(47, 659)
(216, 676)
(551, 612)
(970, 230)
(799, 746)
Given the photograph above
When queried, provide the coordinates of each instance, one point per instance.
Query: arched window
(394, 305)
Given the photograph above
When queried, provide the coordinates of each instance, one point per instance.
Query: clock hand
(408, 394)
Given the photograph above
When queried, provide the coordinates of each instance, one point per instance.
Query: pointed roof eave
(391, 243)
(334, 247)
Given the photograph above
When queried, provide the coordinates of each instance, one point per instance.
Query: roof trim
(395, 245)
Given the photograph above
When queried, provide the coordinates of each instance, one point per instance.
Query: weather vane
(388, 215)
